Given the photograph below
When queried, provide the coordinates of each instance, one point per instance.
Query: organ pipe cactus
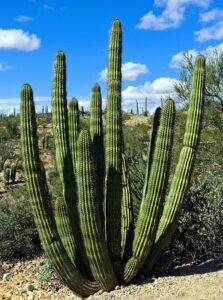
(13, 172)
(97, 137)
(74, 129)
(91, 240)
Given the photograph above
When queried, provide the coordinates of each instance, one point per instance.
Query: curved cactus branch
(41, 206)
(179, 185)
(151, 206)
(91, 229)
(96, 131)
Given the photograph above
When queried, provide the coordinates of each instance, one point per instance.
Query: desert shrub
(6, 151)
(18, 234)
(11, 124)
(200, 232)
(44, 274)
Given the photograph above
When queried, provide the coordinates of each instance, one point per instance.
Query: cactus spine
(113, 148)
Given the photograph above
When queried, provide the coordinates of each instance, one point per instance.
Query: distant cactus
(146, 108)
(13, 172)
(137, 107)
(9, 172)
(80, 247)
(6, 172)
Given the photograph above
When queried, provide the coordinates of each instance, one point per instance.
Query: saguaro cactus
(73, 238)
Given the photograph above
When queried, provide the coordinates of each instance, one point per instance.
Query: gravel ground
(201, 282)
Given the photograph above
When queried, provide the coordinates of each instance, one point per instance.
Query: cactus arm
(74, 129)
(66, 235)
(156, 122)
(41, 207)
(91, 229)
(113, 149)
(151, 205)
(127, 210)
(181, 179)
(96, 131)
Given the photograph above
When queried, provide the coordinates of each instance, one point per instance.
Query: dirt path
(202, 282)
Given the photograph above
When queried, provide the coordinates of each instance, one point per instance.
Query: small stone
(6, 277)
(31, 296)
(22, 290)
(117, 287)
(29, 287)
(6, 266)
(8, 295)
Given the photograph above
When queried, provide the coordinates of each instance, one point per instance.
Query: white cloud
(23, 18)
(18, 39)
(172, 15)
(47, 7)
(211, 15)
(8, 104)
(178, 59)
(214, 32)
(160, 88)
(130, 71)
(4, 66)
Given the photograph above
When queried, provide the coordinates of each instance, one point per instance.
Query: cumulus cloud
(178, 59)
(23, 18)
(211, 15)
(159, 89)
(130, 71)
(18, 39)
(4, 66)
(214, 32)
(172, 15)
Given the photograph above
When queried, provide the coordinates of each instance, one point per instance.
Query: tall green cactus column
(113, 148)
(74, 129)
(181, 179)
(151, 206)
(90, 223)
(39, 199)
(96, 131)
(63, 153)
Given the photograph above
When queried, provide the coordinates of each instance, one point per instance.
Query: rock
(31, 296)
(22, 290)
(8, 295)
(6, 266)
(29, 287)
(6, 277)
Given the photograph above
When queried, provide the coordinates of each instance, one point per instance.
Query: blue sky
(155, 34)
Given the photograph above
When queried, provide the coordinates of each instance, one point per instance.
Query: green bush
(199, 236)
(18, 234)
(11, 124)
(44, 274)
